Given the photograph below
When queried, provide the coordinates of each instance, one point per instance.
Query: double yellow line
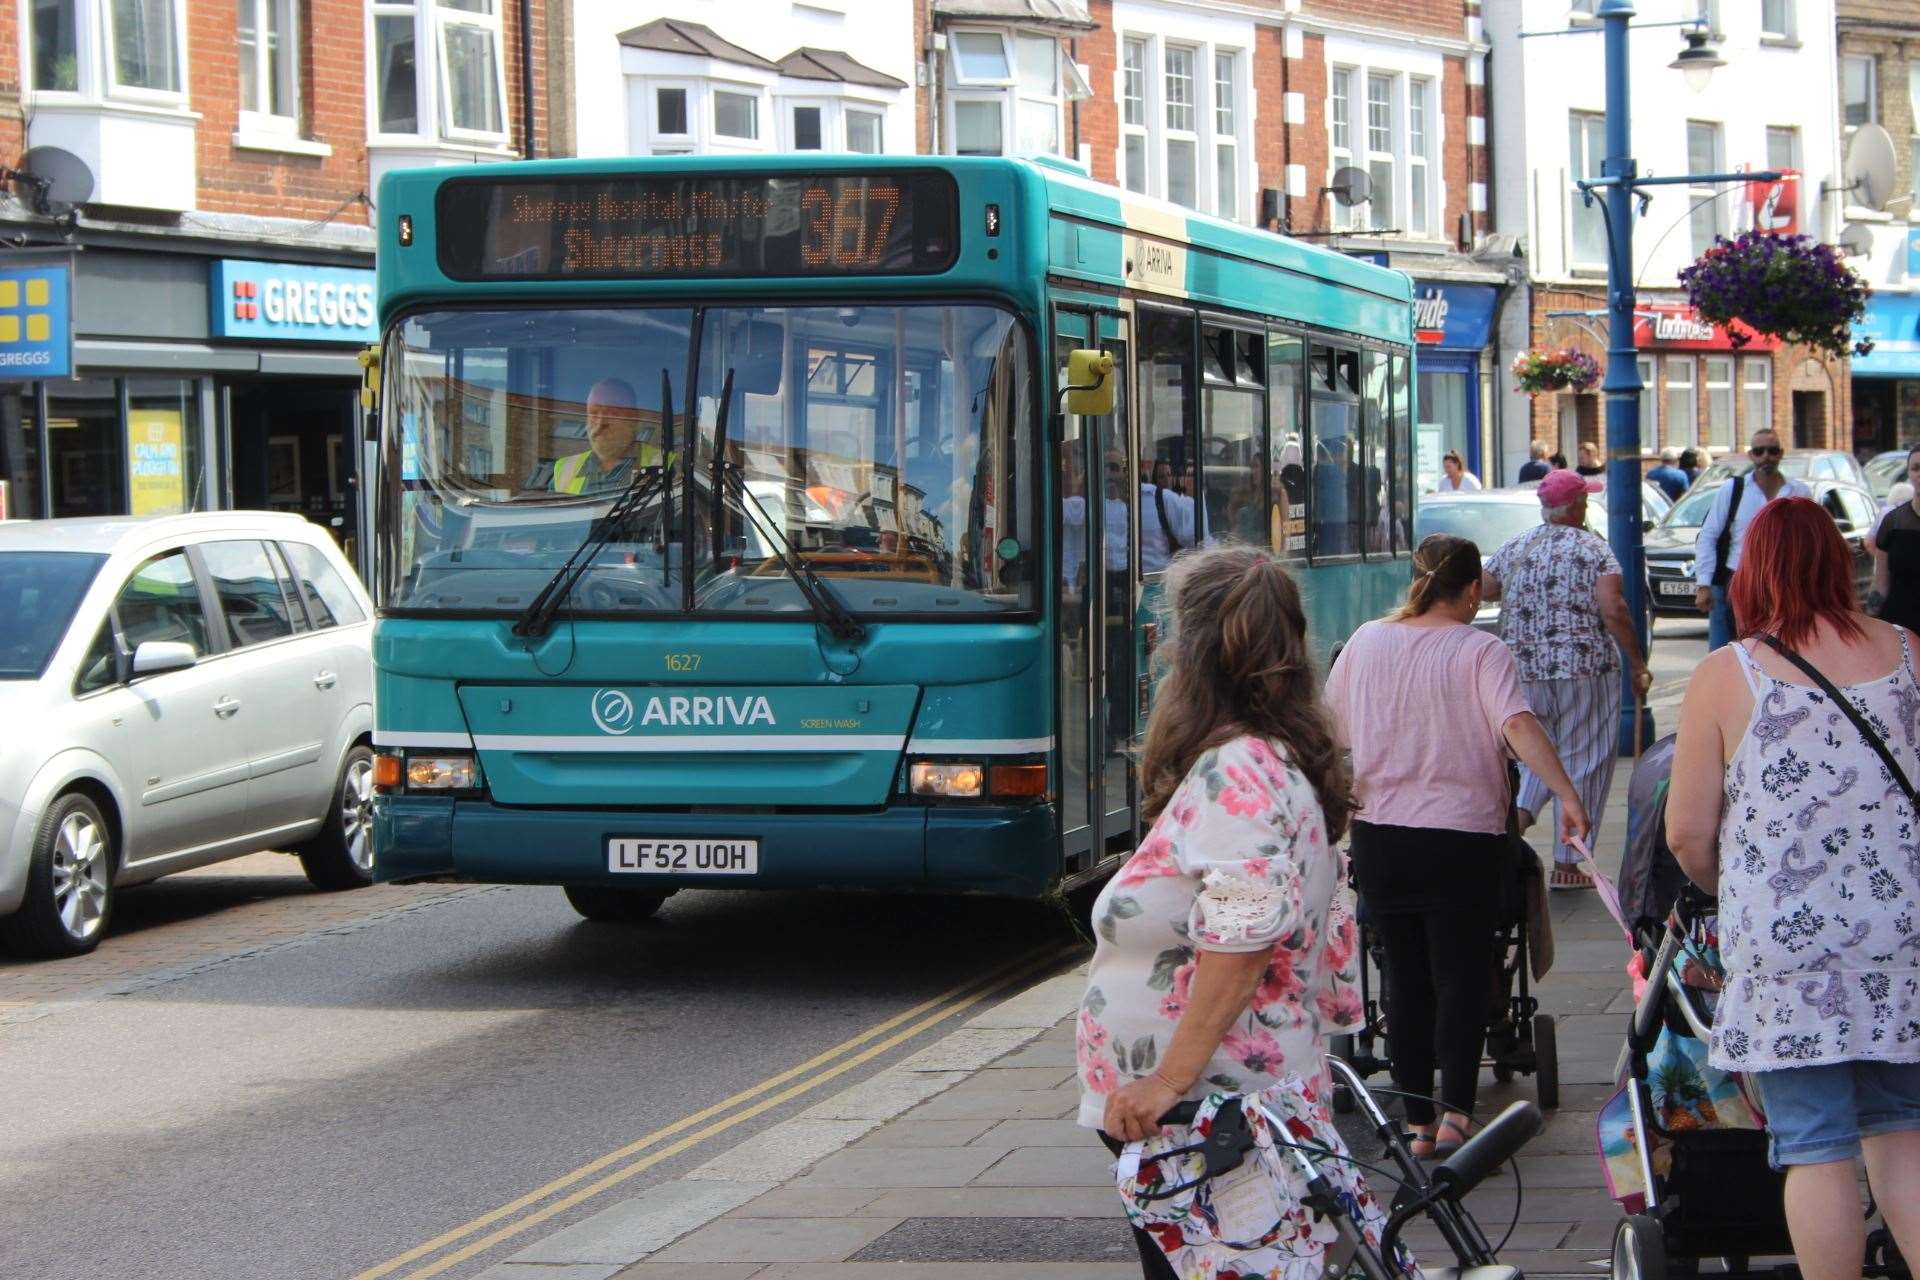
(615, 1167)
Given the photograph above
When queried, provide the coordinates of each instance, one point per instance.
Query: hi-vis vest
(570, 472)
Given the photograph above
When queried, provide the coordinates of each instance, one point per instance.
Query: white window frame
(877, 112)
(836, 119)
(659, 141)
(1403, 70)
(1585, 167)
(1341, 115)
(1720, 428)
(253, 119)
(1787, 31)
(1136, 130)
(1756, 390)
(790, 132)
(1227, 113)
(1872, 65)
(1710, 198)
(433, 110)
(489, 23)
(1194, 105)
(1684, 428)
(139, 93)
(1420, 212)
(1007, 89)
(756, 103)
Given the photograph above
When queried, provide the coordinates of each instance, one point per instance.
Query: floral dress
(1238, 861)
(1819, 876)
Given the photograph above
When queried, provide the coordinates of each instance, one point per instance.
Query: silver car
(178, 690)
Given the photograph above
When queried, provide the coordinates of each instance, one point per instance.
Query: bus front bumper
(985, 850)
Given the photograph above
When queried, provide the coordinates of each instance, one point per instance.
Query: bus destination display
(645, 227)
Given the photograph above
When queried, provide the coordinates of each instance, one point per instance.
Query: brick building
(1258, 112)
(1700, 389)
(189, 270)
(1879, 48)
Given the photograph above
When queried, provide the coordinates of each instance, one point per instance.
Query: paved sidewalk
(963, 1162)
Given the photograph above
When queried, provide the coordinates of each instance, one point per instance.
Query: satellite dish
(62, 181)
(1856, 241)
(1870, 167)
(1351, 186)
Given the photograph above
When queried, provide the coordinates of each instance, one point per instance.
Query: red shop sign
(1776, 205)
(1670, 328)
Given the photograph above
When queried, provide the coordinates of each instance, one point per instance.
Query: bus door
(1096, 701)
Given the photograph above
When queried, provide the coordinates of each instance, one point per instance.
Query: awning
(1893, 324)
(1068, 15)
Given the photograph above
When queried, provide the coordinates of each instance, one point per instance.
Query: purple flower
(1790, 287)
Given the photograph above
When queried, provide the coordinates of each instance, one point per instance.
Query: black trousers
(1434, 897)
(1153, 1263)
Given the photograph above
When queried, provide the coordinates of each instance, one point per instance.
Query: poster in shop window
(156, 462)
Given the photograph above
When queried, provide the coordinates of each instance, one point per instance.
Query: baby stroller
(1520, 1039)
(1687, 1154)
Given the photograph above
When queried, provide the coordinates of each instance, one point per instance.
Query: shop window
(1683, 413)
(437, 70)
(164, 470)
(1334, 506)
(330, 601)
(1756, 388)
(1444, 402)
(268, 34)
(84, 454)
(248, 586)
(1287, 488)
(20, 454)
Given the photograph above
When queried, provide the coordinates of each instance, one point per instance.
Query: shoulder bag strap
(1723, 545)
(1160, 504)
(1852, 713)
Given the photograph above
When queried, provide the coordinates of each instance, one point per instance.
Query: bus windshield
(888, 449)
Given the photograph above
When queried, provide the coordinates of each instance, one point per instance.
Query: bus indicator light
(993, 219)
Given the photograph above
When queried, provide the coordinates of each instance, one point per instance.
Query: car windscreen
(39, 591)
(1691, 511)
(1486, 524)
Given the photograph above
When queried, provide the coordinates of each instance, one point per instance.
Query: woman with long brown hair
(1221, 963)
(1432, 709)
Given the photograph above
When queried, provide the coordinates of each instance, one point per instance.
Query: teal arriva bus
(731, 532)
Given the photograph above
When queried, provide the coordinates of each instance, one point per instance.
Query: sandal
(1448, 1138)
(1568, 876)
(1420, 1144)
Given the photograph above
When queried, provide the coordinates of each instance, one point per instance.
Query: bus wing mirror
(1089, 383)
(370, 389)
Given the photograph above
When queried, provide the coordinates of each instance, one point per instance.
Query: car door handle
(325, 680)
(226, 707)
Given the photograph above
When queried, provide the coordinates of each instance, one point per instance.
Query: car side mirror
(156, 657)
(1646, 525)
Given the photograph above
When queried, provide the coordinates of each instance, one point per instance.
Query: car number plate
(673, 856)
(1676, 587)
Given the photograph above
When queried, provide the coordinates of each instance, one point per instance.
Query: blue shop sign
(1892, 323)
(36, 322)
(1453, 317)
(292, 302)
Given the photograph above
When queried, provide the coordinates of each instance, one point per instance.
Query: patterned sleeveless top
(1820, 879)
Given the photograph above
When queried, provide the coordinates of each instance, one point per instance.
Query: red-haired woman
(1782, 804)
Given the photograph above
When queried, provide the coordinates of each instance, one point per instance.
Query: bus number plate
(668, 857)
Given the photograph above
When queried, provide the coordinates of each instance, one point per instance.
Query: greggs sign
(1680, 329)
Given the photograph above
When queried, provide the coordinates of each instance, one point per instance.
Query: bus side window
(1335, 506)
(1286, 459)
(1167, 452)
(1233, 431)
(1400, 447)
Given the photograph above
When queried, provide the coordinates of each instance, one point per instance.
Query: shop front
(147, 383)
(1452, 323)
(1699, 387)
(1886, 381)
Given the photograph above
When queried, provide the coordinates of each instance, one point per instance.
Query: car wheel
(341, 856)
(69, 883)
(596, 902)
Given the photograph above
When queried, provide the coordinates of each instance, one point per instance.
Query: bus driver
(613, 421)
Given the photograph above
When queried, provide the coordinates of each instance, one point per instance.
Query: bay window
(56, 46)
(108, 48)
(437, 72)
(144, 36)
(1037, 111)
(865, 135)
(1004, 84)
(736, 115)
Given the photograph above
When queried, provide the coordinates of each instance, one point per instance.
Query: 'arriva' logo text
(700, 710)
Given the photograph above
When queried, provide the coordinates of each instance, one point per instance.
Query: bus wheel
(596, 902)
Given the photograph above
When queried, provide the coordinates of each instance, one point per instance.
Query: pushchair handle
(1493, 1146)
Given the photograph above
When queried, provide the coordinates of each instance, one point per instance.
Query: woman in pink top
(1431, 708)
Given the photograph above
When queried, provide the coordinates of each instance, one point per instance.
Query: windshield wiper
(537, 618)
(822, 599)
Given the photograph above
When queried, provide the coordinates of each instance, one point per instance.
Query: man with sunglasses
(1716, 552)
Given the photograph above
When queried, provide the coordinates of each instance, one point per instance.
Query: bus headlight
(443, 773)
(925, 778)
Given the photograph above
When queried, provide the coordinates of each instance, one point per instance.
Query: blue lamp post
(1618, 185)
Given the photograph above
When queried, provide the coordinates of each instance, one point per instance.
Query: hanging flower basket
(1568, 370)
(1789, 287)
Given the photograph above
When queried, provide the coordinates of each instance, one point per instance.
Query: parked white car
(177, 690)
